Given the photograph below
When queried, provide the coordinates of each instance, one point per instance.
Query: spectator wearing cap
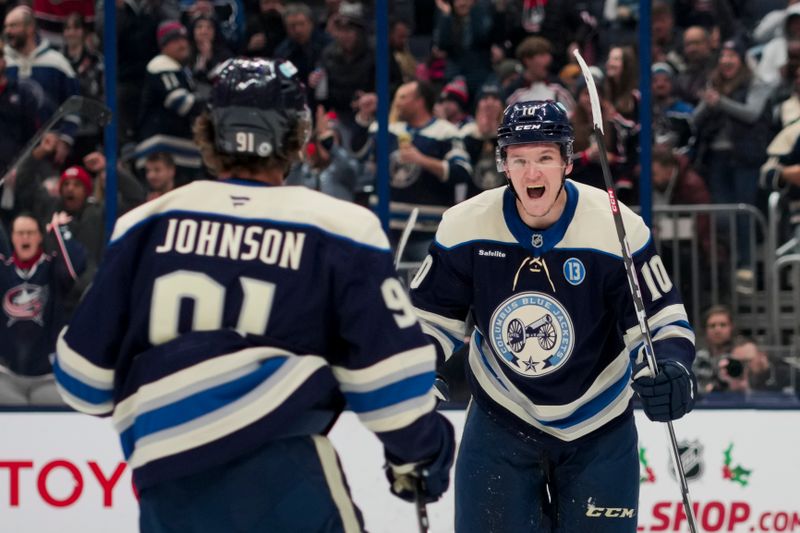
(672, 117)
(349, 64)
(30, 57)
(465, 31)
(536, 82)
(169, 104)
(34, 282)
(454, 103)
(480, 140)
(733, 132)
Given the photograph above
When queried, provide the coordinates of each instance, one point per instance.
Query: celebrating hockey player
(230, 322)
(555, 356)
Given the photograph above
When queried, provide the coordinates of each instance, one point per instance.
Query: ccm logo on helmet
(610, 512)
(527, 127)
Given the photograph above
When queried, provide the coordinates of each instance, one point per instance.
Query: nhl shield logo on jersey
(532, 333)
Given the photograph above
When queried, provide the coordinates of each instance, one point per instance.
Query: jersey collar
(538, 241)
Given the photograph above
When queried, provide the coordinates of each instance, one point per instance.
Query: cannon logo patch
(532, 333)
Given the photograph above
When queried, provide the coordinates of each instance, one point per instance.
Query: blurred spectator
(675, 181)
(749, 369)
(622, 19)
(328, 167)
(771, 25)
(169, 104)
(465, 31)
(34, 282)
(130, 191)
(622, 82)
(348, 65)
(266, 29)
(208, 51)
(786, 84)
(717, 342)
(700, 61)
(733, 133)
(137, 22)
(229, 13)
(160, 174)
(480, 141)
(52, 15)
(563, 23)
(303, 45)
(616, 130)
(89, 69)
(454, 103)
(536, 83)
(781, 172)
(19, 120)
(774, 54)
(672, 117)
(399, 32)
(28, 56)
(666, 40)
(429, 168)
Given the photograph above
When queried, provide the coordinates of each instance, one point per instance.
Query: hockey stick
(633, 282)
(92, 110)
(422, 509)
(401, 245)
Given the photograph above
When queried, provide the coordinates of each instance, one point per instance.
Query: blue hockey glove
(429, 479)
(669, 395)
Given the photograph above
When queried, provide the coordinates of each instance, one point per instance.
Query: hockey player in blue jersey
(232, 320)
(549, 442)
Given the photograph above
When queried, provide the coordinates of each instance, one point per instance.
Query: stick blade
(597, 115)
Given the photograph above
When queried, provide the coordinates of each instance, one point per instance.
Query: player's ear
(568, 170)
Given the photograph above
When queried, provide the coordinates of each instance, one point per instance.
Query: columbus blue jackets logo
(25, 302)
(532, 333)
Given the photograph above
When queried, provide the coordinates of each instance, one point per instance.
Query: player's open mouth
(535, 192)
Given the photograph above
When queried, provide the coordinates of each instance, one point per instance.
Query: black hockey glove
(428, 479)
(669, 395)
(441, 389)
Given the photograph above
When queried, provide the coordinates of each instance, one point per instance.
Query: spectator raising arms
(33, 282)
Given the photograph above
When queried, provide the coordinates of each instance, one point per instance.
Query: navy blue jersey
(33, 300)
(555, 326)
(226, 314)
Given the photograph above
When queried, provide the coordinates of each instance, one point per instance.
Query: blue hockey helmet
(255, 104)
(535, 121)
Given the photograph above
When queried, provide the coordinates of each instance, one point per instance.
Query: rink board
(63, 472)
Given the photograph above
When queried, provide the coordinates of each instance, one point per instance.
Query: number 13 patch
(574, 271)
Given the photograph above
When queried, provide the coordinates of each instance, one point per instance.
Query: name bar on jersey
(234, 241)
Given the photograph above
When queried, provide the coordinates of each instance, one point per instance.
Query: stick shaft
(633, 282)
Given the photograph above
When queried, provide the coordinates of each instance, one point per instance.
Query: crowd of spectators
(725, 93)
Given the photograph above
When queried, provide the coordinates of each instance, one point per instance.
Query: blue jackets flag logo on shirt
(532, 333)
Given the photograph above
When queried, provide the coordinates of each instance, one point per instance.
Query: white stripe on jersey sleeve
(258, 403)
(399, 415)
(390, 370)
